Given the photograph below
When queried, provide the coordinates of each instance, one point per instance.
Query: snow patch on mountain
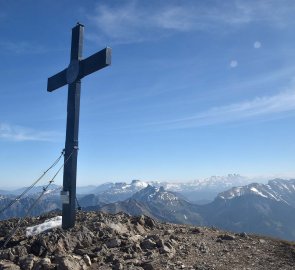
(135, 184)
(55, 222)
(257, 192)
(123, 187)
(213, 182)
(151, 193)
(277, 189)
(54, 191)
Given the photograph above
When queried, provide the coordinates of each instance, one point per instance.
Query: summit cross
(72, 75)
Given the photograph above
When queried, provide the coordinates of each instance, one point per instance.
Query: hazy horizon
(259, 179)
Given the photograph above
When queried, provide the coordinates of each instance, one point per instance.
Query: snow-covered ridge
(162, 194)
(123, 187)
(111, 192)
(54, 191)
(213, 182)
(151, 193)
(277, 189)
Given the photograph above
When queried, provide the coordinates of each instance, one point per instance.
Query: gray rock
(44, 264)
(38, 248)
(160, 243)
(114, 242)
(168, 232)
(136, 247)
(166, 250)
(20, 251)
(149, 222)
(67, 263)
(226, 237)
(27, 262)
(243, 234)
(195, 231)
(117, 265)
(148, 266)
(141, 220)
(6, 254)
(262, 241)
(203, 248)
(140, 229)
(8, 265)
(148, 244)
(87, 259)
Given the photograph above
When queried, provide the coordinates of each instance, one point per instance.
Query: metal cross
(72, 75)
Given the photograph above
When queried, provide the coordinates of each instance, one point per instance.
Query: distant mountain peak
(139, 183)
(154, 193)
(276, 189)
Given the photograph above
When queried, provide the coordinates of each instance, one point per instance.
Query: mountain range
(197, 191)
(254, 208)
(257, 208)
(157, 203)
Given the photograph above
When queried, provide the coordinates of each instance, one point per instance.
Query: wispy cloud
(265, 106)
(22, 47)
(20, 134)
(134, 21)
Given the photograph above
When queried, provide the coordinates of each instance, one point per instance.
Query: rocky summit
(105, 241)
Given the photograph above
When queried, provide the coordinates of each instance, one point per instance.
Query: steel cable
(32, 185)
(35, 202)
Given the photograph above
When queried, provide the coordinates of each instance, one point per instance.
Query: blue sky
(196, 88)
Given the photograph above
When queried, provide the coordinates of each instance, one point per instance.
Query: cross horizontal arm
(95, 62)
(87, 66)
(56, 81)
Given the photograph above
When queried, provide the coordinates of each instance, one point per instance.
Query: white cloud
(22, 47)
(133, 21)
(278, 104)
(19, 133)
(174, 18)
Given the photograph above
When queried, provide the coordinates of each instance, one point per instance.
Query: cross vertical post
(71, 145)
(72, 75)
